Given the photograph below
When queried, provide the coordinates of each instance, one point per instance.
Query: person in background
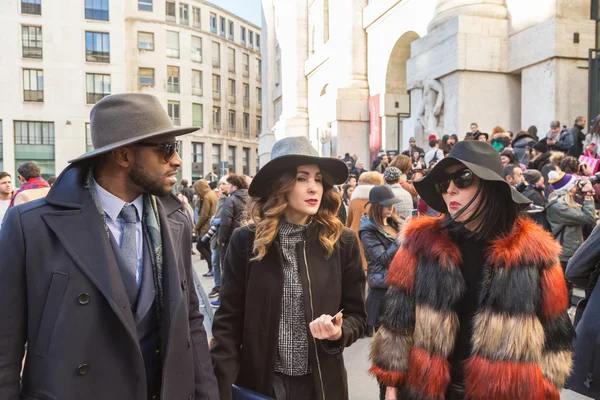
(570, 165)
(552, 138)
(403, 163)
(520, 146)
(482, 137)
(347, 191)
(413, 148)
(499, 138)
(444, 145)
(188, 192)
(233, 210)
(435, 154)
(535, 187)
(6, 193)
(208, 200)
(566, 216)
(577, 137)
(51, 180)
(215, 222)
(453, 139)
(359, 169)
(187, 209)
(352, 180)
(474, 132)
(377, 159)
(33, 186)
(358, 204)
(383, 164)
(378, 234)
(514, 176)
(508, 157)
(404, 206)
(533, 132)
(540, 156)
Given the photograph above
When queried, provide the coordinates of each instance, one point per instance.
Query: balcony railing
(246, 102)
(184, 21)
(216, 62)
(33, 95)
(246, 70)
(231, 67)
(170, 18)
(259, 77)
(32, 52)
(173, 53)
(231, 99)
(197, 91)
(176, 120)
(259, 105)
(231, 128)
(197, 55)
(216, 95)
(173, 87)
(217, 125)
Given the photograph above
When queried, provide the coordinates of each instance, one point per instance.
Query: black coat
(232, 214)
(535, 195)
(576, 149)
(246, 325)
(541, 162)
(379, 247)
(62, 293)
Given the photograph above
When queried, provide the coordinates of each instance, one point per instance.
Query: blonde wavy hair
(267, 212)
(565, 198)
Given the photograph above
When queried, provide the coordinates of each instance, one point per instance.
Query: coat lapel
(81, 233)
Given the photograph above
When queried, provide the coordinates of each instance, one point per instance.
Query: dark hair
(532, 130)
(345, 192)
(350, 177)
(51, 180)
(509, 170)
(579, 119)
(506, 141)
(237, 181)
(432, 142)
(445, 146)
(473, 123)
(511, 156)
(184, 182)
(29, 170)
(495, 214)
(455, 137)
(4, 175)
(569, 165)
(376, 215)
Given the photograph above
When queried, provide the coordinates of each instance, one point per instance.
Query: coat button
(83, 298)
(183, 284)
(83, 369)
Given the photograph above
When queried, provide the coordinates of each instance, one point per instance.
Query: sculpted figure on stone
(430, 114)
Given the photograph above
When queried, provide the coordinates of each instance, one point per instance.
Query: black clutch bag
(239, 393)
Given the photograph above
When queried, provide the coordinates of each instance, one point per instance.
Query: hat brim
(385, 203)
(336, 169)
(127, 142)
(425, 186)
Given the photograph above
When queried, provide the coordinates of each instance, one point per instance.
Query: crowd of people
(458, 260)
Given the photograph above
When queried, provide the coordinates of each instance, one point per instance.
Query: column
(445, 10)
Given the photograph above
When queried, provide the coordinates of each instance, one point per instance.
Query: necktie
(129, 251)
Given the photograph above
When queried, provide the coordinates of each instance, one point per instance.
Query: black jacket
(535, 195)
(189, 193)
(379, 247)
(540, 162)
(246, 325)
(232, 214)
(578, 137)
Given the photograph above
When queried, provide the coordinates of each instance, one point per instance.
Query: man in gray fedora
(96, 278)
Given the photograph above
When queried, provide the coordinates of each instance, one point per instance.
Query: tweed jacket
(522, 335)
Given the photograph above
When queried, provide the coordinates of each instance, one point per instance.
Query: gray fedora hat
(122, 119)
(293, 152)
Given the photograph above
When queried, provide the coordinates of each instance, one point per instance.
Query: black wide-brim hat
(293, 152)
(482, 159)
(123, 119)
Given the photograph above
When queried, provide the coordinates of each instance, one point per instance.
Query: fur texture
(555, 298)
(556, 366)
(390, 351)
(502, 337)
(435, 331)
(398, 313)
(425, 235)
(388, 378)
(440, 288)
(504, 289)
(559, 333)
(401, 273)
(428, 375)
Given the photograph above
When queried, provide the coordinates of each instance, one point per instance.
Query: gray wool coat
(62, 293)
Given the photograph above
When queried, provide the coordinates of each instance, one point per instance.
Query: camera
(211, 232)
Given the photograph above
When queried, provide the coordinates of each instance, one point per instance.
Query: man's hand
(323, 329)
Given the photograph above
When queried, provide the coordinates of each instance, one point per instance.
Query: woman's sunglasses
(169, 149)
(462, 179)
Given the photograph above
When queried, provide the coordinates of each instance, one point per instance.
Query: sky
(248, 9)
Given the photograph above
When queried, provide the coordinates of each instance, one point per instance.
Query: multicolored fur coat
(522, 335)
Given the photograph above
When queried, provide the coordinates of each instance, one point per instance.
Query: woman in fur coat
(477, 300)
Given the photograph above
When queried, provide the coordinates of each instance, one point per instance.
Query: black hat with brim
(292, 152)
(482, 159)
(487, 137)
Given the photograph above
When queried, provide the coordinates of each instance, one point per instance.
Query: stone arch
(395, 80)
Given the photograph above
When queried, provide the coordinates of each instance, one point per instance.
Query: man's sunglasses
(168, 148)
(462, 179)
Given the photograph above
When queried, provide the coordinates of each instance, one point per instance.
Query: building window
(251, 39)
(32, 132)
(173, 110)
(146, 76)
(197, 86)
(31, 7)
(170, 8)
(216, 158)
(246, 64)
(231, 121)
(145, 5)
(98, 86)
(197, 161)
(231, 28)
(231, 58)
(33, 85)
(97, 47)
(216, 117)
(184, 14)
(172, 44)
(32, 41)
(89, 146)
(222, 25)
(231, 158)
(96, 9)
(216, 54)
(196, 17)
(213, 22)
(258, 69)
(246, 125)
(243, 35)
(258, 126)
(232, 88)
(146, 41)
(257, 42)
(259, 97)
(196, 48)
(197, 112)
(172, 79)
(246, 95)
(216, 86)
(246, 161)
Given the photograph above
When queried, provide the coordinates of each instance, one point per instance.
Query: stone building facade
(358, 75)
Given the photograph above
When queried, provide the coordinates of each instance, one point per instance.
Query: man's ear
(123, 156)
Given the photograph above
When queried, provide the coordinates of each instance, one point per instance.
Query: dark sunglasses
(168, 148)
(462, 179)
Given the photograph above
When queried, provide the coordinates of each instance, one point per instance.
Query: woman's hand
(323, 329)
(391, 393)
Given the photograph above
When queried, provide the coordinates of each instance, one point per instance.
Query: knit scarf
(151, 224)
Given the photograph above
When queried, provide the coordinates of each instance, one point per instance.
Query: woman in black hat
(477, 301)
(379, 235)
(287, 277)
